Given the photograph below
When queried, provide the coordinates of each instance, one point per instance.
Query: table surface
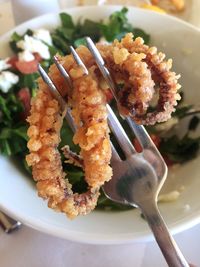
(28, 247)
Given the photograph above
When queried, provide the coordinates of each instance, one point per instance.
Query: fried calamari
(140, 71)
(89, 111)
(144, 73)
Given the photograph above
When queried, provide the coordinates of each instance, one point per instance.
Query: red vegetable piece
(156, 139)
(12, 61)
(25, 97)
(27, 67)
(37, 57)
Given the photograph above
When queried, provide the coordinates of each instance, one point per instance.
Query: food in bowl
(133, 65)
(75, 173)
(177, 5)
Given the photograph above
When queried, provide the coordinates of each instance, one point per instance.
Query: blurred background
(189, 13)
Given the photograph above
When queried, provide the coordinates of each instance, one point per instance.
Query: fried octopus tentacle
(72, 157)
(141, 68)
(92, 136)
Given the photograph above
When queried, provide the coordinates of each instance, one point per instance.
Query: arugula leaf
(5, 148)
(17, 145)
(10, 107)
(66, 20)
(193, 124)
(21, 131)
(70, 34)
(88, 28)
(13, 141)
(28, 32)
(7, 133)
(66, 33)
(15, 37)
(60, 43)
(13, 137)
(117, 24)
(80, 41)
(28, 80)
(4, 108)
(181, 111)
(180, 150)
(140, 33)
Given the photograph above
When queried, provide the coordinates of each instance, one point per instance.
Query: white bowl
(18, 196)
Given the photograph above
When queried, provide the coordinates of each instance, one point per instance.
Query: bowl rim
(85, 238)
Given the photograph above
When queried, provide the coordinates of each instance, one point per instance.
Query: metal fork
(8, 224)
(138, 179)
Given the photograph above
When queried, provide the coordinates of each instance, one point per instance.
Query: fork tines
(101, 64)
(114, 123)
(78, 60)
(63, 72)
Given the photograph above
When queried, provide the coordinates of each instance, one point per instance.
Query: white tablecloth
(30, 248)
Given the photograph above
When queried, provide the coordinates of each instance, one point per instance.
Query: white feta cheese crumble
(25, 56)
(34, 45)
(7, 80)
(43, 35)
(4, 64)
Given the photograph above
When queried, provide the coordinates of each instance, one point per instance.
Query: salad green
(15, 104)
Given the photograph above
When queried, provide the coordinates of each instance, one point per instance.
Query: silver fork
(138, 179)
(8, 224)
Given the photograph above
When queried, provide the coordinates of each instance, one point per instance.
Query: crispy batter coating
(142, 71)
(89, 111)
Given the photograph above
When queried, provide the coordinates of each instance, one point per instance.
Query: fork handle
(167, 244)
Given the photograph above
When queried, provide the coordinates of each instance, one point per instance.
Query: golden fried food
(89, 112)
(141, 71)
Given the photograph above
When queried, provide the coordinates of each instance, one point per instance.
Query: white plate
(17, 192)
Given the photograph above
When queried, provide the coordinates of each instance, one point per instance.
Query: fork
(137, 180)
(8, 224)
